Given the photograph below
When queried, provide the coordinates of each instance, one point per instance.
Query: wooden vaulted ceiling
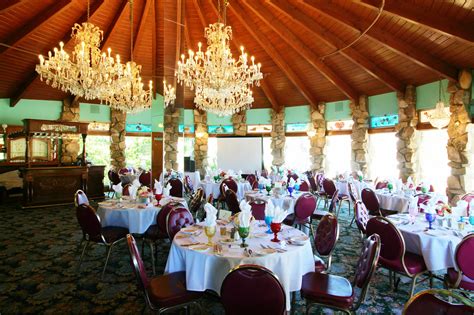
(310, 50)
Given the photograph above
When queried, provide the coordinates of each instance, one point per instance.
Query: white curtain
(382, 149)
(469, 179)
(297, 153)
(338, 155)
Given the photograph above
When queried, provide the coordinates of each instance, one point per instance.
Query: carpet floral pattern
(39, 270)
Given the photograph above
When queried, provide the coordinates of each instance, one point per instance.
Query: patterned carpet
(38, 270)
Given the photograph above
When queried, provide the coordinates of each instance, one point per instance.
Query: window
(297, 153)
(382, 150)
(98, 152)
(185, 149)
(469, 180)
(383, 121)
(267, 153)
(138, 152)
(338, 155)
(212, 153)
(433, 158)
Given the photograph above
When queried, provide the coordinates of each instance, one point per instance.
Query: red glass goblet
(158, 197)
(275, 227)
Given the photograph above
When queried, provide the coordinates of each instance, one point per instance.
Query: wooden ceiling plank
(22, 89)
(416, 55)
(142, 25)
(7, 5)
(197, 7)
(252, 29)
(153, 48)
(113, 24)
(418, 15)
(34, 24)
(313, 27)
(93, 9)
(299, 46)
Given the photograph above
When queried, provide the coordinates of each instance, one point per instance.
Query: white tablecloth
(213, 188)
(195, 177)
(285, 202)
(436, 246)
(343, 187)
(206, 271)
(392, 201)
(129, 215)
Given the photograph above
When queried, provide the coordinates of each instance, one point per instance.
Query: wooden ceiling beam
(7, 5)
(252, 29)
(301, 48)
(418, 15)
(395, 44)
(34, 24)
(153, 47)
(179, 47)
(93, 9)
(22, 89)
(197, 7)
(322, 33)
(141, 25)
(113, 24)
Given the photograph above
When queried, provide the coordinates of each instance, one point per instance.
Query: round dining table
(206, 269)
(283, 201)
(211, 187)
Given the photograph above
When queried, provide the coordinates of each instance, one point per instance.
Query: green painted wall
(297, 114)
(188, 117)
(259, 116)
(337, 111)
(213, 119)
(36, 109)
(427, 95)
(383, 104)
(94, 112)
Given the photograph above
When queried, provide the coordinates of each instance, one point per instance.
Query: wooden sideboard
(44, 186)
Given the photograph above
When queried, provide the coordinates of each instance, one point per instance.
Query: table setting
(212, 186)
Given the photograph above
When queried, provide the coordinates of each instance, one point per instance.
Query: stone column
(200, 141)
(171, 136)
(117, 138)
(318, 141)
(457, 132)
(278, 137)
(406, 131)
(239, 120)
(360, 135)
(70, 146)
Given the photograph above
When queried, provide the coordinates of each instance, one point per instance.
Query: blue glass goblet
(430, 217)
(260, 187)
(268, 221)
(290, 190)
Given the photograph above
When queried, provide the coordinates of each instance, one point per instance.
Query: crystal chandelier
(222, 84)
(169, 94)
(440, 117)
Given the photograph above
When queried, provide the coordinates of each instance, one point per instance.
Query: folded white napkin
(158, 188)
(244, 206)
(118, 188)
(166, 190)
(262, 181)
(279, 215)
(207, 178)
(132, 189)
(269, 209)
(136, 183)
(277, 185)
(244, 218)
(292, 182)
(413, 206)
(211, 215)
(430, 207)
(460, 210)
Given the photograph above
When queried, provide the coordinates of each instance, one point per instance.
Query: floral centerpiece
(143, 193)
(172, 174)
(443, 209)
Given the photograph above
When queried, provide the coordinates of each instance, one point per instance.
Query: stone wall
(406, 131)
(200, 142)
(117, 139)
(360, 116)
(458, 137)
(318, 142)
(171, 136)
(239, 120)
(278, 137)
(70, 147)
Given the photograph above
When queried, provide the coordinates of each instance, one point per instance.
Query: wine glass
(297, 187)
(276, 227)
(430, 217)
(210, 232)
(424, 189)
(244, 233)
(260, 187)
(413, 212)
(268, 221)
(390, 187)
(268, 188)
(290, 190)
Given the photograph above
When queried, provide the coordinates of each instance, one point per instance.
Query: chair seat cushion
(466, 283)
(414, 263)
(291, 219)
(170, 289)
(153, 233)
(327, 289)
(318, 214)
(114, 233)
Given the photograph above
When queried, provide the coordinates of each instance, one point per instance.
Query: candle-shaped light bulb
(199, 46)
(41, 59)
(109, 50)
(253, 60)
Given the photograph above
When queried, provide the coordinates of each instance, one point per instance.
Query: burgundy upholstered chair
(423, 199)
(304, 209)
(176, 187)
(251, 178)
(352, 192)
(196, 201)
(126, 190)
(165, 292)
(145, 178)
(361, 217)
(188, 185)
(393, 255)
(381, 185)
(337, 292)
(294, 176)
(371, 202)
(123, 171)
(318, 214)
(468, 197)
(80, 198)
(418, 188)
(438, 302)
(462, 277)
(258, 209)
(304, 186)
(176, 220)
(228, 183)
(327, 234)
(113, 177)
(231, 201)
(252, 289)
(94, 232)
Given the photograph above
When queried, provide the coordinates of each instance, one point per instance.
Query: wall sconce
(200, 134)
(311, 132)
(4, 126)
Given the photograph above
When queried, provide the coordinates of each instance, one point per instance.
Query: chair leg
(413, 285)
(82, 255)
(109, 250)
(339, 209)
(152, 258)
(390, 276)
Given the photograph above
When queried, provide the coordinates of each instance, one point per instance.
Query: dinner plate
(436, 233)
(199, 247)
(298, 240)
(227, 241)
(264, 251)
(189, 230)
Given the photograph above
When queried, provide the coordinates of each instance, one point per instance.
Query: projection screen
(240, 154)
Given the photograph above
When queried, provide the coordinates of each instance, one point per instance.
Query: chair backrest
(327, 235)
(210, 198)
(196, 200)
(145, 178)
(258, 209)
(352, 191)
(80, 198)
(422, 200)
(304, 186)
(329, 186)
(370, 200)
(361, 216)
(251, 178)
(294, 176)
(334, 201)
(305, 206)
(114, 178)
(464, 257)
(468, 198)
(230, 183)
(177, 219)
(126, 190)
(319, 181)
(188, 184)
(123, 171)
(90, 223)
(176, 187)
(138, 266)
(381, 185)
(393, 244)
(438, 302)
(232, 201)
(161, 217)
(312, 182)
(241, 291)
